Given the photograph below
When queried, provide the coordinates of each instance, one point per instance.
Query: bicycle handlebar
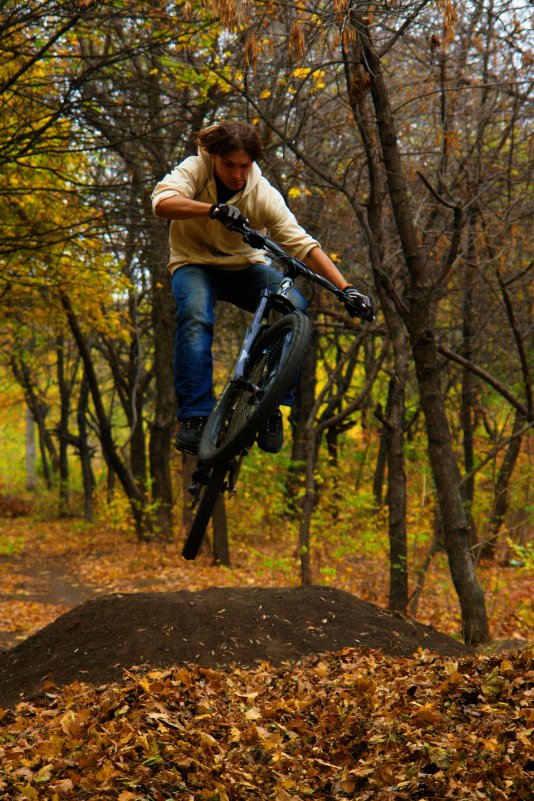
(261, 242)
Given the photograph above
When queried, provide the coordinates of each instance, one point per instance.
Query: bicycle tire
(274, 361)
(210, 491)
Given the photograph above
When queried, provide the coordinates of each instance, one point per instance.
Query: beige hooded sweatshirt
(201, 240)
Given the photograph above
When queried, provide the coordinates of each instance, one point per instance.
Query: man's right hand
(229, 216)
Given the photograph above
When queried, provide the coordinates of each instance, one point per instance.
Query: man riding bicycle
(208, 262)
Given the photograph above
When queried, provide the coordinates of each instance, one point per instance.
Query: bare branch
(39, 53)
(363, 393)
(435, 193)
(491, 456)
(405, 25)
(458, 226)
(521, 349)
(485, 376)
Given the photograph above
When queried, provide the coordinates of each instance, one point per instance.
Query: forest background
(400, 134)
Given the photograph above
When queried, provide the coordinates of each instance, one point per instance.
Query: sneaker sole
(186, 447)
(268, 449)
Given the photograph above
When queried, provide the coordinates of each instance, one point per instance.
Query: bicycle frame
(268, 298)
(278, 300)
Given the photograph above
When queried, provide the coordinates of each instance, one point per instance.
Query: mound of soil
(217, 627)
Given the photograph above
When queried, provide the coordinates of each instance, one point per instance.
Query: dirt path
(34, 589)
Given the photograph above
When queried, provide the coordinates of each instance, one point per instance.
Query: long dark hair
(222, 138)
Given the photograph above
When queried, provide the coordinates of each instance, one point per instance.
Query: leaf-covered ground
(347, 725)
(336, 723)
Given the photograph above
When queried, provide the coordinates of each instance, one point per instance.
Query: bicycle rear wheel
(246, 403)
(211, 486)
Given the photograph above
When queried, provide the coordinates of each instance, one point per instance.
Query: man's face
(233, 168)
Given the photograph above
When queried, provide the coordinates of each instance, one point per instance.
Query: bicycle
(266, 368)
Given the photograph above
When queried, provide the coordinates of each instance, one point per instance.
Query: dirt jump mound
(218, 627)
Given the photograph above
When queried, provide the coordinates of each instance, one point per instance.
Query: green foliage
(114, 512)
(12, 464)
(10, 545)
(269, 564)
(522, 554)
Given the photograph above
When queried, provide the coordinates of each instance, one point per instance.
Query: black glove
(229, 216)
(358, 305)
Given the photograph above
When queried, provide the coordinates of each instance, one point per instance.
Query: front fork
(268, 301)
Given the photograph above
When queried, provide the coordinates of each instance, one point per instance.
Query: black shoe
(271, 435)
(189, 434)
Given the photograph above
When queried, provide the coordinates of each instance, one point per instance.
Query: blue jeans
(196, 288)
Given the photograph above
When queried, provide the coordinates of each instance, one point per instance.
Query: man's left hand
(358, 305)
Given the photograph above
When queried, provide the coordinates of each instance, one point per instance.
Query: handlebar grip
(254, 239)
(358, 304)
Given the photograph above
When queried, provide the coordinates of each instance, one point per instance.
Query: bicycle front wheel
(246, 403)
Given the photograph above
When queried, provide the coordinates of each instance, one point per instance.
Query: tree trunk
(138, 460)
(391, 451)
(422, 339)
(468, 395)
(31, 473)
(164, 415)
(468, 383)
(394, 425)
(63, 429)
(106, 438)
(381, 462)
(299, 417)
(396, 494)
(88, 480)
(47, 472)
(446, 477)
(221, 551)
(502, 489)
(39, 410)
(308, 505)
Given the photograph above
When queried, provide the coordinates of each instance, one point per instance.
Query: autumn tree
(145, 117)
(429, 259)
(132, 123)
